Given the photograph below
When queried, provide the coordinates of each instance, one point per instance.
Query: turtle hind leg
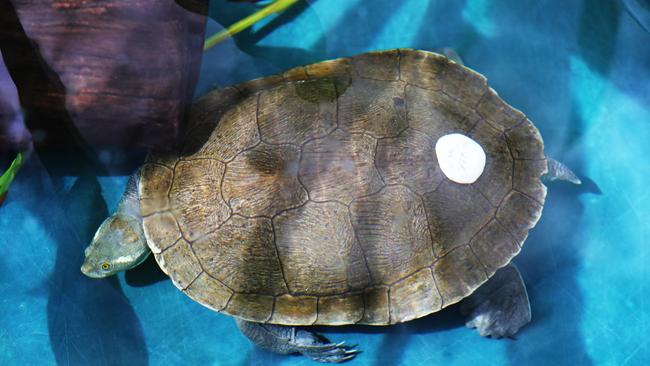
(287, 340)
(500, 307)
(559, 171)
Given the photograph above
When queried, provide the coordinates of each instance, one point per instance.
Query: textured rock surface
(118, 74)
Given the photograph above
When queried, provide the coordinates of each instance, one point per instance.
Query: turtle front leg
(500, 307)
(287, 340)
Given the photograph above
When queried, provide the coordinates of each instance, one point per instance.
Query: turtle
(374, 189)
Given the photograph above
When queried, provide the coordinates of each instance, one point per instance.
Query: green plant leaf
(8, 177)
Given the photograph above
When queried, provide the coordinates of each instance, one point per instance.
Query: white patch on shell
(461, 159)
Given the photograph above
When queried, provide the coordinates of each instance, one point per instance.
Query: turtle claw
(329, 352)
(347, 358)
(338, 354)
(343, 344)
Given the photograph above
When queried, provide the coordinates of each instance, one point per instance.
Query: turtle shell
(315, 196)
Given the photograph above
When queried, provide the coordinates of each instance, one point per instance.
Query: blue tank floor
(580, 70)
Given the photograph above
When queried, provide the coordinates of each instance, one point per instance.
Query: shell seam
(435, 283)
(399, 64)
(277, 254)
(192, 282)
(528, 196)
(363, 253)
(485, 269)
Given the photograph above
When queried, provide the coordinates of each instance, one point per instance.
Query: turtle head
(118, 245)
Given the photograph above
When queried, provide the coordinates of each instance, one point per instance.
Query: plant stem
(271, 9)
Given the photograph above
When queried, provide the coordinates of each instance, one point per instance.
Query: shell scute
(180, 264)
(295, 310)
(457, 274)
(293, 113)
(209, 292)
(264, 181)
(437, 114)
(367, 101)
(153, 192)
(339, 157)
(241, 254)
(317, 241)
(393, 232)
(422, 69)
(195, 199)
(409, 159)
(456, 212)
(382, 65)
(252, 307)
(339, 310)
(414, 297)
(223, 136)
(496, 180)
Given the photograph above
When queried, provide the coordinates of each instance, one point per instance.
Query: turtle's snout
(89, 270)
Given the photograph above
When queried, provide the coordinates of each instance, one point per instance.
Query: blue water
(579, 69)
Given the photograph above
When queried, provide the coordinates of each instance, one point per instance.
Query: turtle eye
(106, 266)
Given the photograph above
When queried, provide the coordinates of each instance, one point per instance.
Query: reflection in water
(82, 329)
(639, 10)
